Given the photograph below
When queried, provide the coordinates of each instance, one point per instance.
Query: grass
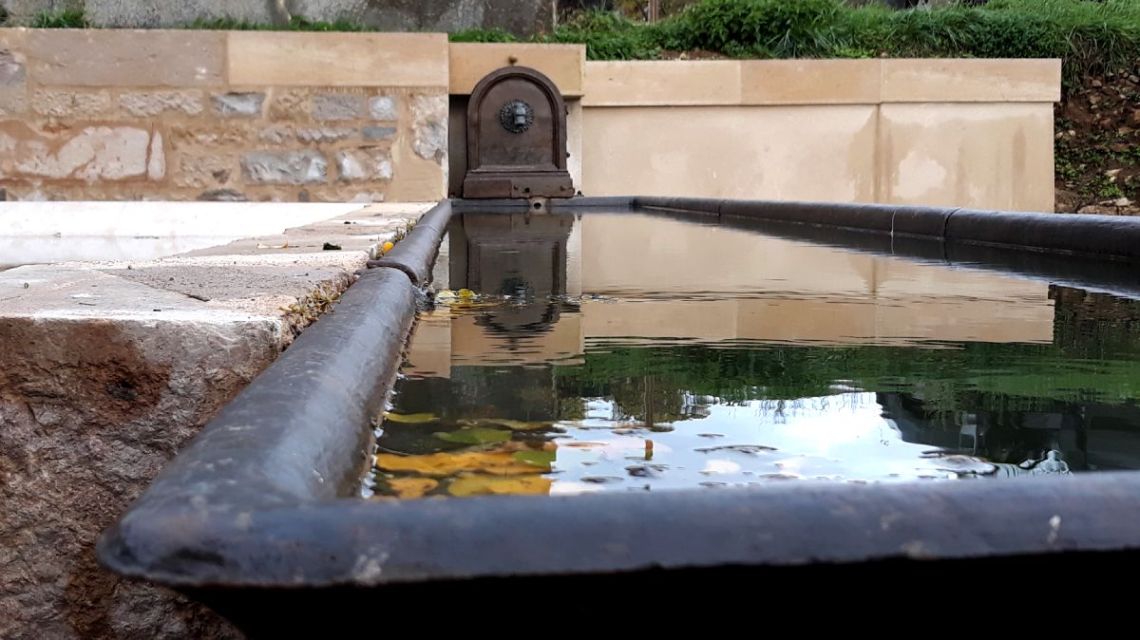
(1089, 36)
(63, 19)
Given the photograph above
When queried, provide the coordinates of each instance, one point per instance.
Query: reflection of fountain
(1009, 438)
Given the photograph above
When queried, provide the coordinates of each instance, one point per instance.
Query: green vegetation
(1090, 36)
(63, 19)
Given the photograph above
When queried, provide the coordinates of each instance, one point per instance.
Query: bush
(65, 19)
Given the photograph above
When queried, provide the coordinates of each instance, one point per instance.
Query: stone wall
(521, 17)
(967, 133)
(207, 115)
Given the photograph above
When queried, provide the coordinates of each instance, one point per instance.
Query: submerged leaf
(513, 425)
(541, 459)
(445, 464)
(412, 487)
(411, 418)
(474, 435)
(479, 485)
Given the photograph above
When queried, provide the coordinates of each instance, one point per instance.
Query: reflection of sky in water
(841, 437)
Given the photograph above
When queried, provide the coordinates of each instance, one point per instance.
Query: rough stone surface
(12, 70)
(89, 413)
(287, 167)
(96, 153)
(378, 133)
(204, 170)
(152, 103)
(222, 195)
(363, 165)
(288, 104)
(71, 104)
(384, 108)
(156, 158)
(429, 127)
(337, 106)
(278, 134)
(246, 104)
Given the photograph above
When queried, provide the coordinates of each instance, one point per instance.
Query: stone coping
(806, 82)
(279, 278)
(194, 58)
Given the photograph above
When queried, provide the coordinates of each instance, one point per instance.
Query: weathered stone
(383, 108)
(231, 133)
(96, 153)
(156, 158)
(337, 106)
(288, 104)
(12, 70)
(13, 100)
(222, 195)
(278, 134)
(247, 104)
(429, 127)
(144, 59)
(71, 104)
(152, 103)
(368, 164)
(378, 133)
(203, 170)
(288, 167)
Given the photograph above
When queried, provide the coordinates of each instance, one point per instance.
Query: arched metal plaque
(516, 137)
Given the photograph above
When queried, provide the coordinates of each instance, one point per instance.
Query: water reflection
(709, 357)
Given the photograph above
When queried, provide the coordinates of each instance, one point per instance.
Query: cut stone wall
(964, 133)
(205, 115)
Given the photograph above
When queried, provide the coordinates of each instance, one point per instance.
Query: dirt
(1098, 145)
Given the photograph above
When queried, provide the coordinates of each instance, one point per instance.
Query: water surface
(631, 353)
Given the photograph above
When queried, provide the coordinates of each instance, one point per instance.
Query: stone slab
(134, 58)
(787, 82)
(108, 368)
(981, 80)
(563, 64)
(263, 58)
(662, 83)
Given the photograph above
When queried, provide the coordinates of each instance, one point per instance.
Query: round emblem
(516, 116)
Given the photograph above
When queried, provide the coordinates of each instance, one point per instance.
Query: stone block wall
(185, 115)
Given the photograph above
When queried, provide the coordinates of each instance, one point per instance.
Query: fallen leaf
(500, 463)
(408, 488)
(480, 485)
(411, 418)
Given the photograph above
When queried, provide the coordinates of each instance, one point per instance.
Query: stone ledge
(564, 64)
(822, 82)
(289, 59)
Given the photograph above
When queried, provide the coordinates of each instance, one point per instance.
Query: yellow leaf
(386, 247)
(412, 487)
(480, 485)
(501, 463)
(411, 418)
(465, 294)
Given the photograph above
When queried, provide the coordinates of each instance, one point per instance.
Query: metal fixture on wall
(516, 137)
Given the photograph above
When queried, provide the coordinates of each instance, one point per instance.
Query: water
(630, 353)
